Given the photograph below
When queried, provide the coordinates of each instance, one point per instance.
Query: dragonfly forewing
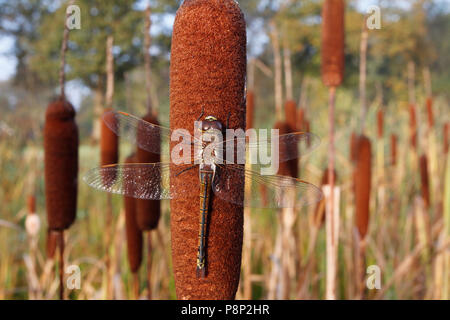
(145, 135)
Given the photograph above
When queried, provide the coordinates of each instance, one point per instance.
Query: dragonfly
(155, 181)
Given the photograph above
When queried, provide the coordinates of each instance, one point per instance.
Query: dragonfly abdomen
(206, 178)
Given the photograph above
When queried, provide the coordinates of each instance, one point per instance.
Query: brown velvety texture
(109, 142)
(430, 112)
(425, 180)
(31, 204)
(290, 111)
(301, 120)
(333, 42)
(208, 67)
(413, 126)
(250, 116)
(363, 179)
(380, 123)
(134, 235)
(61, 164)
(286, 168)
(320, 212)
(394, 141)
(446, 137)
(148, 211)
(51, 243)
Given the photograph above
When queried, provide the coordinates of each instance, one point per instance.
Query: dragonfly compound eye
(211, 123)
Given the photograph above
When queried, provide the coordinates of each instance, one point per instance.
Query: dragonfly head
(211, 123)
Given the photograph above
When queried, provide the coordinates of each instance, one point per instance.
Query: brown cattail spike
(425, 180)
(363, 178)
(413, 126)
(287, 168)
(333, 42)
(148, 211)
(61, 164)
(394, 141)
(202, 77)
(134, 235)
(380, 123)
(109, 143)
(250, 116)
(31, 204)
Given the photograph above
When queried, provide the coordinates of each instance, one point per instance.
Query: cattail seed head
(61, 164)
(250, 116)
(286, 168)
(394, 141)
(425, 180)
(109, 142)
(430, 112)
(202, 77)
(363, 179)
(31, 204)
(134, 234)
(148, 211)
(380, 123)
(413, 126)
(290, 110)
(333, 42)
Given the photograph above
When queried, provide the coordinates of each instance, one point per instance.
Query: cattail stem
(149, 265)
(288, 72)
(109, 72)
(278, 72)
(331, 263)
(363, 74)
(136, 287)
(61, 264)
(412, 82)
(62, 76)
(147, 58)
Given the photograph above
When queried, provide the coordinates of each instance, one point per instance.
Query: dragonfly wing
(265, 191)
(149, 181)
(140, 132)
(289, 146)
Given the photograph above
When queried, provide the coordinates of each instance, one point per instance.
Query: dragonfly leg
(184, 170)
(201, 114)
